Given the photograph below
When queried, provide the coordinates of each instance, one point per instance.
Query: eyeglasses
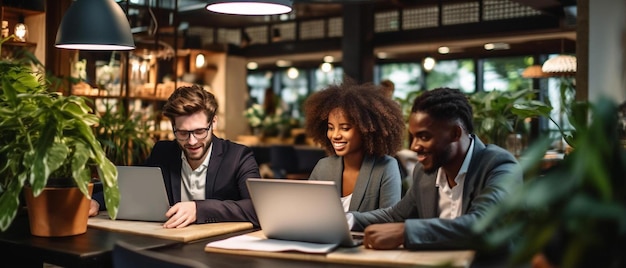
(199, 133)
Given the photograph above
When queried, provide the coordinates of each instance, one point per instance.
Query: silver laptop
(142, 194)
(301, 210)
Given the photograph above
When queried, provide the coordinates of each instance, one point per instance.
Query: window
(323, 79)
(257, 83)
(505, 74)
(407, 77)
(454, 74)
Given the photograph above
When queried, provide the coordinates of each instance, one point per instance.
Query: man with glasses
(205, 176)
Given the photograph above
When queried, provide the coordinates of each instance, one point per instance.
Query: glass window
(257, 83)
(454, 74)
(505, 74)
(323, 79)
(294, 89)
(561, 95)
(407, 77)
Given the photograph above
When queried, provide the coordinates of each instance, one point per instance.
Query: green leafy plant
(578, 207)
(126, 141)
(268, 124)
(45, 135)
(500, 113)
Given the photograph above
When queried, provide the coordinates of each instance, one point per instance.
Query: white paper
(248, 242)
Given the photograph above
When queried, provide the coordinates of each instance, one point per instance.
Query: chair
(126, 255)
(294, 162)
(284, 161)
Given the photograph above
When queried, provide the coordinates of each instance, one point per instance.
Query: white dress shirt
(450, 199)
(194, 181)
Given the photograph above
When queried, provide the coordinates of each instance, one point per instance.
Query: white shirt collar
(441, 178)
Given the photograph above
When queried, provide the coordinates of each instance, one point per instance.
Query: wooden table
(196, 251)
(91, 249)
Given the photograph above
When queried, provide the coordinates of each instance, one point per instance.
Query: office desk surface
(196, 251)
(91, 249)
(350, 255)
(155, 229)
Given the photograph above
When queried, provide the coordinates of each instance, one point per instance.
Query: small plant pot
(62, 211)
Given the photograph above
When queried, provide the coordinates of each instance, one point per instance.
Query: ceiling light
(443, 50)
(283, 63)
(561, 64)
(326, 67)
(429, 64)
(200, 60)
(382, 55)
(292, 73)
(497, 46)
(533, 71)
(250, 7)
(329, 58)
(95, 25)
(252, 65)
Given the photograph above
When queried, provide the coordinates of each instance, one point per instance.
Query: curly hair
(445, 104)
(378, 118)
(188, 100)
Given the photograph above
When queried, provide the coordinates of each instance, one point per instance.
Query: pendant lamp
(534, 71)
(250, 7)
(95, 25)
(561, 64)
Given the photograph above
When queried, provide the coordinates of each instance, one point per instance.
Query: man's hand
(181, 215)
(94, 208)
(384, 236)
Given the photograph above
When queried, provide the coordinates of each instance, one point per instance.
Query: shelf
(10, 48)
(19, 44)
(12, 15)
(17, 10)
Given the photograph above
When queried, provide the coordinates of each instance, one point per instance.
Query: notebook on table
(142, 194)
(304, 211)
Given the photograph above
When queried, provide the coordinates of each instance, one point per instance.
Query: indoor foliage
(43, 136)
(575, 213)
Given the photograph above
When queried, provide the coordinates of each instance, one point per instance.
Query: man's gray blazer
(492, 176)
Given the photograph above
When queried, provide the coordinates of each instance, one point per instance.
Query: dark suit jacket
(227, 196)
(492, 176)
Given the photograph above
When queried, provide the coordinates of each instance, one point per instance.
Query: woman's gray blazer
(378, 185)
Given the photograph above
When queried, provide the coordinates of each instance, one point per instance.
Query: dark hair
(445, 104)
(388, 87)
(188, 100)
(269, 101)
(378, 118)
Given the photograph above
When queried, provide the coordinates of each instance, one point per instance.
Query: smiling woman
(360, 128)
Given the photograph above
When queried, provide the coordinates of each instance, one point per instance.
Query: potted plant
(267, 124)
(498, 114)
(46, 137)
(573, 215)
(125, 140)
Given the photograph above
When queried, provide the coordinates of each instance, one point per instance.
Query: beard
(205, 149)
(439, 159)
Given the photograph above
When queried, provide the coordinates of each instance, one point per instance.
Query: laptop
(301, 210)
(142, 194)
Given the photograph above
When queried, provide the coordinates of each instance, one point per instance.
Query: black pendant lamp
(95, 25)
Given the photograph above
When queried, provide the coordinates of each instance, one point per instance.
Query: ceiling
(192, 13)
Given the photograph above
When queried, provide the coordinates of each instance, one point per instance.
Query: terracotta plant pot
(57, 211)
